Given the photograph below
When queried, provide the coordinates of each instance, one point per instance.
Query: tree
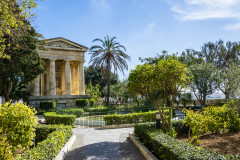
(228, 80)
(226, 58)
(221, 55)
(13, 13)
(95, 76)
(94, 91)
(154, 60)
(25, 64)
(204, 81)
(109, 55)
(185, 98)
(158, 83)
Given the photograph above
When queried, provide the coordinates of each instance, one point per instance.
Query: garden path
(98, 144)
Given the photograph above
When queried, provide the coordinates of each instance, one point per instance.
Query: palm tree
(110, 54)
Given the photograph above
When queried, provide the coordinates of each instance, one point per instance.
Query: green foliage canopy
(159, 83)
(13, 14)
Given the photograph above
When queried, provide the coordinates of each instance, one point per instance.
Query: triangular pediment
(62, 43)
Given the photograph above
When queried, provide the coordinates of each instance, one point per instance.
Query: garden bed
(227, 143)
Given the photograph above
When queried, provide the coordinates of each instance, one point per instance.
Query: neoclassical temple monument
(63, 79)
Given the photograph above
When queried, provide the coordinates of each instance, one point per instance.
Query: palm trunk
(108, 81)
(108, 90)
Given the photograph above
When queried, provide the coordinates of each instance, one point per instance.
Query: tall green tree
(185, 98)
(204, 80)
(109, 55)
(13, 13)
(158, 83)
(23, 66)
(226, 58)
(228, 80)
(95, 76)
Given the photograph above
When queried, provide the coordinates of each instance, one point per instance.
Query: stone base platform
(62, 101)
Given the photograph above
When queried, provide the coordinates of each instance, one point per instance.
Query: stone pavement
(109, 144)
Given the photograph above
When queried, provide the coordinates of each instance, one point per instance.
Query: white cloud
(101, 5)
(235, 26)
(206, 9)
(189, 10)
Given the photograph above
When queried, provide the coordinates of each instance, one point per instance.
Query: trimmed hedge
(53, 118)
(131, 118)
(82, 103)
(166, 147)
(47, 105)
(98, 110)
(50, 147)
(75, 111)
(42, 131)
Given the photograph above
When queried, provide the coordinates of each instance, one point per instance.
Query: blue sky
(144, 27)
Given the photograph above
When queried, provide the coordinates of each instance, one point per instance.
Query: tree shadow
(106, 151)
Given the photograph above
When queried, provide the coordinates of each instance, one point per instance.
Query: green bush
(82, 103)
(213, 119)
(53, 118)
(166, 147)
(98, 110)
(17, 123)
(180, 127)
(47, 105)
(92, 102)
(131, 118)
(50, 147)
(75, 111)
(42, 131)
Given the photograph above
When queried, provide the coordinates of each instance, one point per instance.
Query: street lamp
(158, 120)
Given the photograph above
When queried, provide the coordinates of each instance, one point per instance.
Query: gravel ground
(109, 144)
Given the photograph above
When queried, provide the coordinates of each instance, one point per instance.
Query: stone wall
(62, 101)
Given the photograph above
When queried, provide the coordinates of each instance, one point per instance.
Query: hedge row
(42, 131)
(131, 118)
(75, 111)
(53, 118)
(166, 147)
(50, 147)
(98, 110)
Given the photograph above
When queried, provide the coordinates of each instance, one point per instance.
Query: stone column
(81, 78)
(36, 86)
(77, 80)
(67, 78)
(52, 78)
(73, 79)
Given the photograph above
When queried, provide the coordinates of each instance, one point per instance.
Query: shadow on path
(106, 151)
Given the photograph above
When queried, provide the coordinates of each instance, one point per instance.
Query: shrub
(17, 122)
(53, 118)
(42, 131)
(212, 119)
(131, 118)
(82, 103)
(166, 147)
(98, 110)
(77, 112)
(180, 127)
(92, 102)
(50, 147)
(47, 105)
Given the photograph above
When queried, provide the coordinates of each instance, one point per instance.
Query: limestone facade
(64, 74)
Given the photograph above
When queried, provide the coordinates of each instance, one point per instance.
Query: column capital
(52, 59)
(67, 60)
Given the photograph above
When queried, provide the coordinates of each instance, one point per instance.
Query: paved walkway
(97, 144)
